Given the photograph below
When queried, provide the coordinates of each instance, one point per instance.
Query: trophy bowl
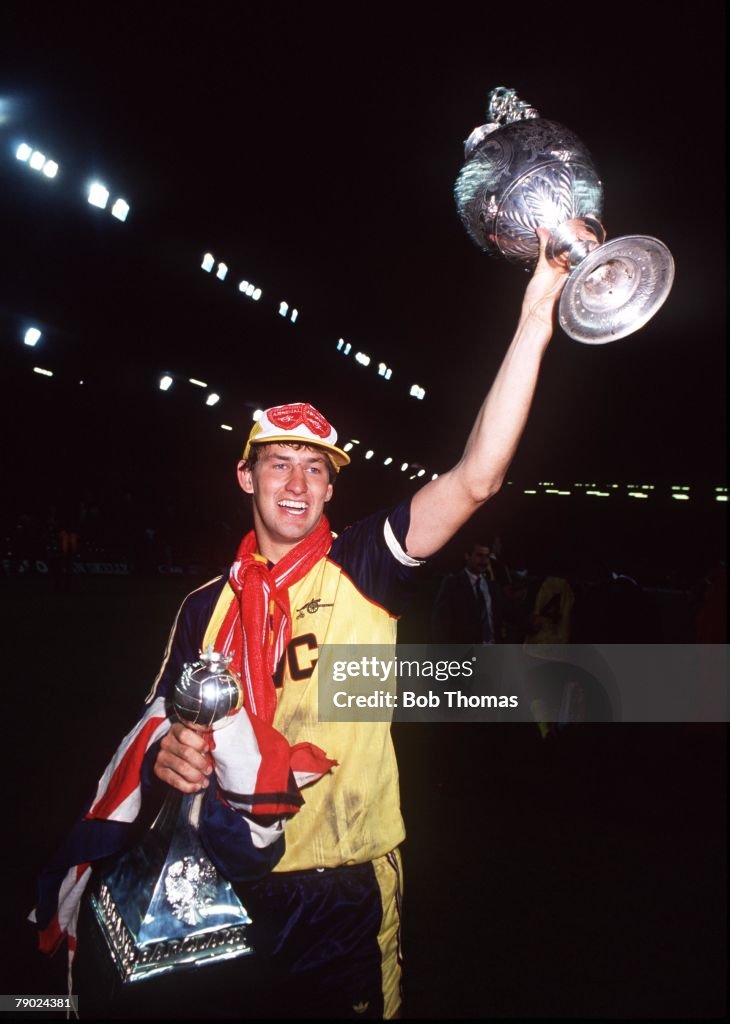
(522, 172)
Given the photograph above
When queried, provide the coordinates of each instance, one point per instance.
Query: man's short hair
(471, 548)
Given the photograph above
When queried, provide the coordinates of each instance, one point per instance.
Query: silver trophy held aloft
(163, 906)
(522, 172)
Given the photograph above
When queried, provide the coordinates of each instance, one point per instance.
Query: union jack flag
(258, 774)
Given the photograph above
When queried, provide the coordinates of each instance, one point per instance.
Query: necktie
(485, 625)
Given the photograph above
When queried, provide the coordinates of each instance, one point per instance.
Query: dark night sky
(314, 149)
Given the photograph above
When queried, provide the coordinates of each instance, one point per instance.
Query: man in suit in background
(467, 609)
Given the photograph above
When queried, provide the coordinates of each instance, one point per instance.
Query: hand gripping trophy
(522, 172)
(163, 905)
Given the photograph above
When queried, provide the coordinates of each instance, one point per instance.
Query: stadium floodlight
(421, 472)
(250, 289)
(721, 497)
(43, 373)
(165, 382)
(681, 497)
(120, 209)
(284, 311)
(208, 262)
(637, 494)
(226, 426)
(212, 399)
(348, 447)
(50, 168)
(221, 272)
(369, 454)
(361, 358)
(32, 336)
(98, 195)
(529, 492)
(37, 159)
(435, 476)
(404, 467)
(388, 461)
(417, 391)
(258, 413)
(197, 383)
(23, 152)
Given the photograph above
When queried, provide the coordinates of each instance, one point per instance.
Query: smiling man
(295, 464)
(323, 885)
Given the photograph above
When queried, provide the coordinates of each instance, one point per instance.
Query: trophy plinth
(522, 172)
(163, 906)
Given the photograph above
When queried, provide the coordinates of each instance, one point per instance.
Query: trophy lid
(503, 107)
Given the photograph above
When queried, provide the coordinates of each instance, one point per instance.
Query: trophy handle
(614, 288)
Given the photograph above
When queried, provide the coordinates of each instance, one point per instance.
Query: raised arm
(442, 506)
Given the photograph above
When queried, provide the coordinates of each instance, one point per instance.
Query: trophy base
(163, 906)
(616, 289)
(136, 962)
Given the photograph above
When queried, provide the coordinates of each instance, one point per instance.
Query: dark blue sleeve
(187, 633)
(362, 552)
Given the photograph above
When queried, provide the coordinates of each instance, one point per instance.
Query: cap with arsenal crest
(299, 423)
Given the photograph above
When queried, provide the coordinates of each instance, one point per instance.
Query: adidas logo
(360, 1007)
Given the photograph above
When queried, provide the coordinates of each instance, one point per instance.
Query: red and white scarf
(257, 627)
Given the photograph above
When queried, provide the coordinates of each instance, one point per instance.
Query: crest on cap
(300, 423)
(289, 417)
